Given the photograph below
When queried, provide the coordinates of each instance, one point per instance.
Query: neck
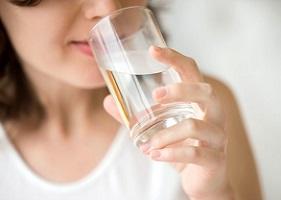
(76, 109)
(69, 110)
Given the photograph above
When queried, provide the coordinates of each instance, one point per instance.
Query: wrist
(226, 193)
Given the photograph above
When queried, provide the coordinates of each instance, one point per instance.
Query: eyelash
(25, 2)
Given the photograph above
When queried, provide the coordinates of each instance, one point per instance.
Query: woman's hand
(196, 148)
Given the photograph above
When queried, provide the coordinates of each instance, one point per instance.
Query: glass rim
(114, 13)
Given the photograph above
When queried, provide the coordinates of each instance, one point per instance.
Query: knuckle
(191, 125)
(192, 61)
(208, 89)
(155, 142)
(192, 65)
(160, 139)
(222, 138)
(163, 137)
(224, 142)
(176, 89)
(169, 52)
(169, 154)
(221, 159)
(174, 56)
(193, 153)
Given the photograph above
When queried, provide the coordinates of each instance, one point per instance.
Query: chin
(88, 79)
(94, 84)
(83, 81)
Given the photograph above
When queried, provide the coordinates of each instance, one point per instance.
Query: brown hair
(17, 99)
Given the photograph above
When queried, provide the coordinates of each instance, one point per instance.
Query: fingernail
(155, 154)
(145, 147)
(160, 92)
(156, 48)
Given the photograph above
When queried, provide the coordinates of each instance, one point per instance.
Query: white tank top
(123, 174)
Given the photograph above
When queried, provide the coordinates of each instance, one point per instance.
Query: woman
(59, 139)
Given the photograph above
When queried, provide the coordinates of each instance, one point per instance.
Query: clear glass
(120, 43)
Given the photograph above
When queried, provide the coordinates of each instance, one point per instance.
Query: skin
(77, 134)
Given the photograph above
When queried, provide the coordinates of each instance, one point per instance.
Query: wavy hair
(17, 100)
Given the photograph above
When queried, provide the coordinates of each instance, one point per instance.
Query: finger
(201, 93)
(188, 142)
(196, 155)
(110, 107)
(210, 136)
(184, 92)
(183, 143)
(185, 66)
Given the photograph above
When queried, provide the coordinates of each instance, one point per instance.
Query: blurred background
(238, 42)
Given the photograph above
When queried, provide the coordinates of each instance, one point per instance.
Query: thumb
(111, 108)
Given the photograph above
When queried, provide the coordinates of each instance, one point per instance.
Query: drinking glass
(120, 43)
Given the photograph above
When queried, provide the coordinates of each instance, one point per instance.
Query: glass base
(164, 118)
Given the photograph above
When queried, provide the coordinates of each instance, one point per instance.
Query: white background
(239, 43)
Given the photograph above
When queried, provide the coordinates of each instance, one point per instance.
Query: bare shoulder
(242, 168)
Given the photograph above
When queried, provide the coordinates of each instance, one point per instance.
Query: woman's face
(51, 38)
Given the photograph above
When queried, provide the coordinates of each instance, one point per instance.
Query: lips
(83, 47)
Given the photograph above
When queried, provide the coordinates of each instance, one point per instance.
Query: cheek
(49, 55)
(31, 40)
(42, 47)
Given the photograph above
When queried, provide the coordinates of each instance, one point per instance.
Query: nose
(99, 8)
